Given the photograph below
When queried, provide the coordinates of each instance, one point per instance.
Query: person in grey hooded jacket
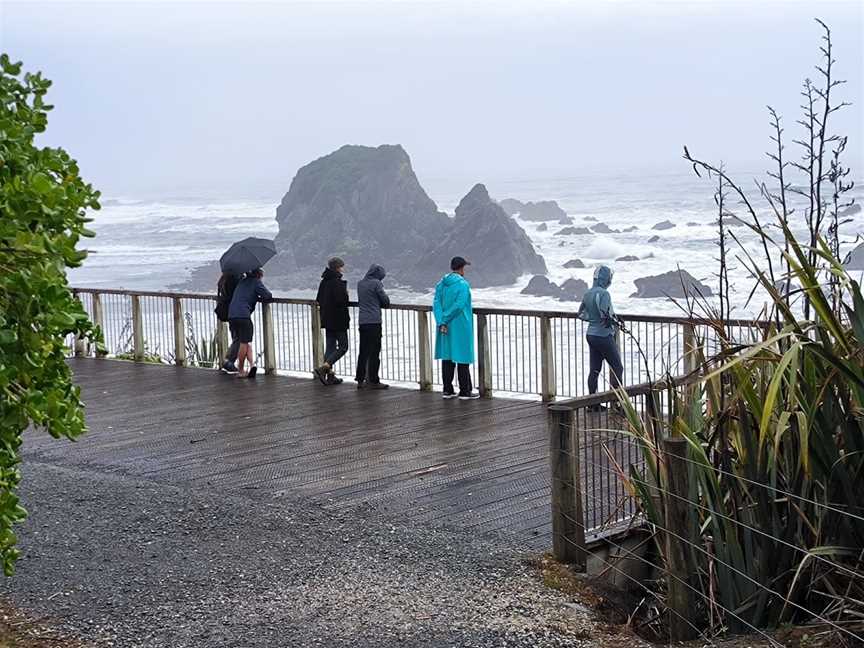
(371, 298)
(596, 309)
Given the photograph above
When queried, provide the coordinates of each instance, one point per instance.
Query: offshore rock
(674, 284)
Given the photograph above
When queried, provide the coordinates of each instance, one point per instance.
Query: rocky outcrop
(855, 259)
(542, 210)
(654, 239)
(591, 218)
(566, 221)
(574, 263)
(365, 204)
(540, 286)
(627, 257)
(632, 228)
(663, 225)
(575, 289)
(693, 224)
(361, 203)
(481, 231)
(675, 284)
(603, 228)
(511, 206)
(572, 231)
(542, 227)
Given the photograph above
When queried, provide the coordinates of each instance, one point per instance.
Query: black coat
(333, 299)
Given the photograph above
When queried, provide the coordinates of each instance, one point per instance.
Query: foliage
(43, 202)
(776, 435)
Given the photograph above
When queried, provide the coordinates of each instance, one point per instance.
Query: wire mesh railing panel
(117, 323)
(292, 326)
(200, 326)
(400, 348)
(157, 326)
(514, 350)
(607, 452)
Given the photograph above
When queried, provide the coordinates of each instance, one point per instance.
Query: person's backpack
(224, 293)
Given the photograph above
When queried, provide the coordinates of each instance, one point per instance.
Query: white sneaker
(448, 396)
(471, 396)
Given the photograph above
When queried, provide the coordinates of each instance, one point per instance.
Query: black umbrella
(246, 255)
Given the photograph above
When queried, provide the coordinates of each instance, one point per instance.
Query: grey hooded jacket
(371, 295)
(596, 308)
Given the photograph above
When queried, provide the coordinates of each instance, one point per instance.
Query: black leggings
(369, 356)
(603, 348)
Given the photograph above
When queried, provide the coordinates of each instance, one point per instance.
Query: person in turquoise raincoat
(454, 340)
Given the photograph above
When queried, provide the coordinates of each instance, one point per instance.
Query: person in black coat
(332, 299)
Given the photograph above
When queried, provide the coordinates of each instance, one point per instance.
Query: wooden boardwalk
(473, 464)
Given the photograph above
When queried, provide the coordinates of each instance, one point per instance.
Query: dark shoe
(379, 385)
(362, 384)
(252, 372)
(333, 380)
(448, 395)
(469, 396)
(228, 368)
(321, 374)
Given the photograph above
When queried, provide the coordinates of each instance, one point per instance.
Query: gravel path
(131, 563)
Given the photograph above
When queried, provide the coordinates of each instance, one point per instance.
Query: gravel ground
(124, 562)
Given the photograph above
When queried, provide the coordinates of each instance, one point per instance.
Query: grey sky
(171, 96)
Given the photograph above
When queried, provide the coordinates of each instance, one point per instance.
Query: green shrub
(43, 202)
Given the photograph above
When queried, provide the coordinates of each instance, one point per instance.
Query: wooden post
(99, 320)
(317, 338)
(679, 535)
(424, 351)
(222, 342)
(692, 360)
(137, 330)
(547, 360)
(568, 517)
(269, 338)
(179, 333)
(484, 358)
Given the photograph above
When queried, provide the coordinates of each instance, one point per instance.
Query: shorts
(241, 329)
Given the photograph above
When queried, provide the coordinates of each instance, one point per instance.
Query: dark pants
(603, 348)
(448, 368)
(233, 350)
(369, 356)
(336, 347)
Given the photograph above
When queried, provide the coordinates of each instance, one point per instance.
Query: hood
(602, 276)
(451, 279)
(330, 274)
(376, 272)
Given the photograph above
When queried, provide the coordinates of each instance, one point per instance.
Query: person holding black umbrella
(249, 292)
(243, 258)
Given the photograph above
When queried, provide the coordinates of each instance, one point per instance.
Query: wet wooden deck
(475, 464)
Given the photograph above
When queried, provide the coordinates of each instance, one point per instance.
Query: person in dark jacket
(249, 292)
(224, 292)
(371, 298)
(332, 299)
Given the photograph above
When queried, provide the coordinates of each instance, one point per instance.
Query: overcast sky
(175, 96)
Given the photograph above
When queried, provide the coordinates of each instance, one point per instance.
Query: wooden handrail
(581, 402)
(552, 314)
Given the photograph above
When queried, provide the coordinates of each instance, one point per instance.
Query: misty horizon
(233, 99)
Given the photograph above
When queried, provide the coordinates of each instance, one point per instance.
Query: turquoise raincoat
(452, 306)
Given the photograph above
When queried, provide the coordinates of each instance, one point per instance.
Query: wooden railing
(529, 352)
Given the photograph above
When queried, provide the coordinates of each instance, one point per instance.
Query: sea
(154, 243)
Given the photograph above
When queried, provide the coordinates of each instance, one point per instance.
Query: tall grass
(776, 433)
